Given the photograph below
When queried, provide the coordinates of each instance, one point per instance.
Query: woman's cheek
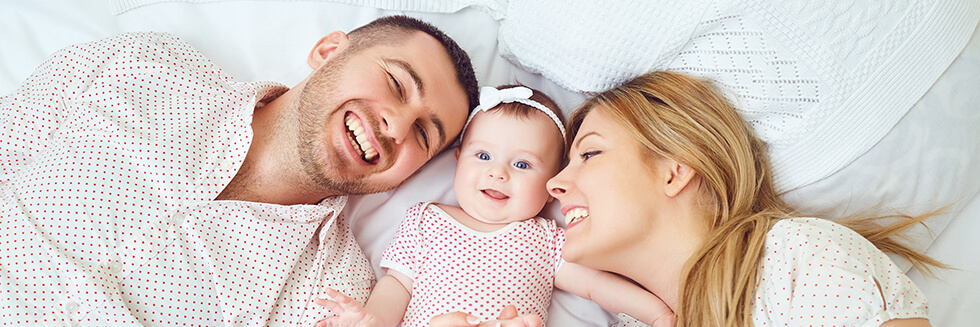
(576, 245)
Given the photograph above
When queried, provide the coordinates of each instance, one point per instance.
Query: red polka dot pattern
(111, 154)
(818, 273)
(455, 268)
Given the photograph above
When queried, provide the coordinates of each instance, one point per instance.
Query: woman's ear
(677, 176)
(326, 47)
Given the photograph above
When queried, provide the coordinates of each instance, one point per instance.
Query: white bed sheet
(269, 40)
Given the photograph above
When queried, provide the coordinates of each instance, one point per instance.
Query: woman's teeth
(357, 138)
(576, 215)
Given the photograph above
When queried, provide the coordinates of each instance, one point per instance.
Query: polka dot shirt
(455, 268)
(111, 154)
(818, 273)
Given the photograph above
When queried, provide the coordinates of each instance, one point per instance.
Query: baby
(492, 250)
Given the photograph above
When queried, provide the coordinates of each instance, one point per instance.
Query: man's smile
(359, 140)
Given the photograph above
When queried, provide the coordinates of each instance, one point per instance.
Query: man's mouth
(359, 140)
(576, 215)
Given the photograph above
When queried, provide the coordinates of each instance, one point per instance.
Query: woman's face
(608, 193)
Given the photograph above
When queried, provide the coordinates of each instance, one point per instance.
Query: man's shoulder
(133, 40)
(160, 48)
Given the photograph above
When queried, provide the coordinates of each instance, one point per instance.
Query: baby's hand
(348, 312)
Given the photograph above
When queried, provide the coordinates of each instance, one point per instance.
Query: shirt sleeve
(404, 252)
(31, 114)
(831, 276)
(559, 245)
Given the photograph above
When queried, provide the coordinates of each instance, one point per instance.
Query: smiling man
(381, 103)
(141, 185)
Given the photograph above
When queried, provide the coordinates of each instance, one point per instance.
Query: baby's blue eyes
(519, 165)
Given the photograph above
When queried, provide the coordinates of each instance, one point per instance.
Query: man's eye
(398, 86)
(483, 156)
(424, 136)
(522, 165)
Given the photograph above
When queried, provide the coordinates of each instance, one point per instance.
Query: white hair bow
(490, 97)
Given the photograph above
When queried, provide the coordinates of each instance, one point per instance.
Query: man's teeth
(360, 139)
(575, 215)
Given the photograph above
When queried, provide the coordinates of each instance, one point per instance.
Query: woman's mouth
(576, 215)
(359, 140)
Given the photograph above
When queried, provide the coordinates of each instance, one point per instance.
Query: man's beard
(312, 113)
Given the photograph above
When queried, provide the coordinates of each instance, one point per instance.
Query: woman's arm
(614, 293)
(912, 322)
(508, 318)
(385, 307)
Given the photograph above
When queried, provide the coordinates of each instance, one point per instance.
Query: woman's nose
(556, 185)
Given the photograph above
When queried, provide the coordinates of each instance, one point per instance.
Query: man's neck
(270, 172)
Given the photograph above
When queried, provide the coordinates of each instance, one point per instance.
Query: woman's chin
(571, 255)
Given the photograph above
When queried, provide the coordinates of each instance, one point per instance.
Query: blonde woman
(667, 185)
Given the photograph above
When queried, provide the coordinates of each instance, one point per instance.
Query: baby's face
(503, 165)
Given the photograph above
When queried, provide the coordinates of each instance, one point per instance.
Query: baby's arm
(614, 293)
(385, 307)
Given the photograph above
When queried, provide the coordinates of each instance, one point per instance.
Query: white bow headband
(491, 97)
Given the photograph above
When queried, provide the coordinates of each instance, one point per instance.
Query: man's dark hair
(390, 29)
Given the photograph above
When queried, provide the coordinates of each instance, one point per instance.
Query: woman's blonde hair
(689, 120)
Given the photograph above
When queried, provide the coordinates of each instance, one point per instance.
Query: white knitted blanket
(820, 81)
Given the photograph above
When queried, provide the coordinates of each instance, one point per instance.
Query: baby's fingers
(331, 305)
(344, 301)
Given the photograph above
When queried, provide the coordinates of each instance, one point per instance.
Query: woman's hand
(508, 318)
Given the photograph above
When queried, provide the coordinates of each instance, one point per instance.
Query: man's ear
(456, 152)
(326, 48)
(677, 176)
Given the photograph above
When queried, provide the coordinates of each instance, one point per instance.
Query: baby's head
(511, 145)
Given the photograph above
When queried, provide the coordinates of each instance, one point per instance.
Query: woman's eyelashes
(585, 156)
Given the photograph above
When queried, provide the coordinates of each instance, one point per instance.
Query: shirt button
(177, 218)
(115, 267)
(71, 306)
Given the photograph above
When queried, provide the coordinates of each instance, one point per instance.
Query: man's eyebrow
(411, 72)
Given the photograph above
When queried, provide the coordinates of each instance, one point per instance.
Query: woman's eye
(483, 156)
(589, 154)
(522, 165)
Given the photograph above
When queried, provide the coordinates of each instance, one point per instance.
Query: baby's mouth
(576, 215)
(494, 194)
(359, 140)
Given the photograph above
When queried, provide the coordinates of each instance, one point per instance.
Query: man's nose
(397, 122)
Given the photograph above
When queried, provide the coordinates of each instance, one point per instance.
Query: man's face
(369, 119)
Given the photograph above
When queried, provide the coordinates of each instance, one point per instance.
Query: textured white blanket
(820, 81)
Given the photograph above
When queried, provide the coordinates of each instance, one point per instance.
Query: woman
(667, 185)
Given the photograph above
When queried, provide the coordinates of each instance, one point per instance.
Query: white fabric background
(930, 158)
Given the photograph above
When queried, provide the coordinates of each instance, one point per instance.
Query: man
(143, 186)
